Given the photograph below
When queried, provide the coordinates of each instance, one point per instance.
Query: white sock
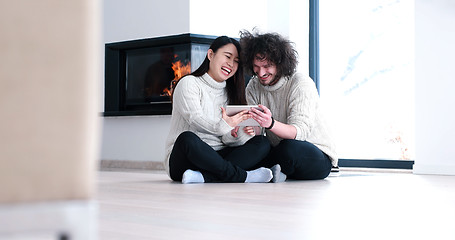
(260, 175)
(278, 176)
(190, 176)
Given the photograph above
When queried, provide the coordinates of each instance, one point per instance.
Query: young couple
(206, 145)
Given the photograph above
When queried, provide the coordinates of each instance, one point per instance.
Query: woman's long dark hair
(235, 85)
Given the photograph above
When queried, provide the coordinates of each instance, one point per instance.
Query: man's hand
(282, 130)
(264, 117)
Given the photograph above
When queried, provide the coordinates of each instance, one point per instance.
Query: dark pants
(299, 160)
(227, 165)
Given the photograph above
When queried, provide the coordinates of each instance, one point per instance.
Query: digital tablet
(234, 109)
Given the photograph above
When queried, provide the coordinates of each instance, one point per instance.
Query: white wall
(141, 138)
(435, 83)
(221, 18)
(136, 19)
(299, 29)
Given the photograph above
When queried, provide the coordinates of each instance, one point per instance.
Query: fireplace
(140, 74)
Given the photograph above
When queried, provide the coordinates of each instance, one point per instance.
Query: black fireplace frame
(115, 72)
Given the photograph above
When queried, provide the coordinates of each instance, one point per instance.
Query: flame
(180, 70)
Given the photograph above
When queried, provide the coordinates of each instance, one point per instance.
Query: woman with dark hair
(302, 147)
(204, 144)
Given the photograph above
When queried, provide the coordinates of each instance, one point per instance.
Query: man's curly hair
(270, 46)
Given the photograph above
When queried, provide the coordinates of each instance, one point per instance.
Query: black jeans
(299, 160)
(227, 165)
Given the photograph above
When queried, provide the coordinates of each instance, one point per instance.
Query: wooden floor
(352, 205)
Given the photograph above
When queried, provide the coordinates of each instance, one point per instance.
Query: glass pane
(150, 71)
(367, 76)
(198, 53)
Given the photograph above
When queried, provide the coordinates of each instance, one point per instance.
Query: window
(364, 67)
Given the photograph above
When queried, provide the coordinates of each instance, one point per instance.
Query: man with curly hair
(302, 147)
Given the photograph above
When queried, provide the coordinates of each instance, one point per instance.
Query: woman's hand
(234, 120)
(264, 117)
(234, 131)
(252, 130)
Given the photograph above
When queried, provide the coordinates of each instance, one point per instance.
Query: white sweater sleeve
(187, 98)
(303, 107)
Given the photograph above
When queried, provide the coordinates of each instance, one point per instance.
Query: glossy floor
(352, 205)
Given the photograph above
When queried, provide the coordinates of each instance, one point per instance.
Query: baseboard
(434, 169)
(371, 163)
(106, 165)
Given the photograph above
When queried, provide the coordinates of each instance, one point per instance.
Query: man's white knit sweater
(294, 101)
(196, 107)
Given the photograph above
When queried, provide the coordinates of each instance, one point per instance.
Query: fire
(180, 70)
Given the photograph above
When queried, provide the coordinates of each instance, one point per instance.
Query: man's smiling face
(265, 70)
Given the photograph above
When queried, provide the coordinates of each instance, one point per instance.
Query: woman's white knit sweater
(196, 107)
(294, 101)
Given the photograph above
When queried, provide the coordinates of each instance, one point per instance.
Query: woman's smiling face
(223, 63)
